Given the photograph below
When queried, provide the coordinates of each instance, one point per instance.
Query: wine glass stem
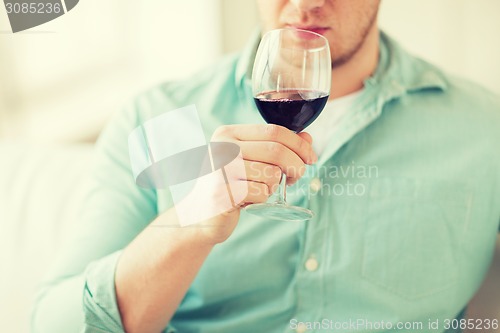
(281, 197)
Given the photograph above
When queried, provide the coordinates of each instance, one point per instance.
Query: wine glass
(291, 84)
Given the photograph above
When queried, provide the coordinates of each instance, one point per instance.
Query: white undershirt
(327, 122)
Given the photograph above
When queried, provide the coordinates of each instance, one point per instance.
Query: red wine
(294, 109)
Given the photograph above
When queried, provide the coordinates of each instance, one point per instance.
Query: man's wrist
(196, 234)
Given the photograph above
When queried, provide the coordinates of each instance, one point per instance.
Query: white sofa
(41, 189)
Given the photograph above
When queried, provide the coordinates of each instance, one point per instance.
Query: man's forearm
(155, 272)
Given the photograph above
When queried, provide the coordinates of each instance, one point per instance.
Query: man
(405, 251)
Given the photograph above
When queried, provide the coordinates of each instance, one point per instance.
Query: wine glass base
(280, 212)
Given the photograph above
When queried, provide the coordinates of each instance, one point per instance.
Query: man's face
(345, 23)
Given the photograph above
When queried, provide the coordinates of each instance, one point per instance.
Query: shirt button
(315, 185)
(301, 328)
(311, 264)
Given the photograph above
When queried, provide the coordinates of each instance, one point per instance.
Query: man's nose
(307, 5)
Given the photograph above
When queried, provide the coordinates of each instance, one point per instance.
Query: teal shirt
(407, 203)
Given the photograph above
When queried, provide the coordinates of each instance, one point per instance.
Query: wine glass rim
(295, 30)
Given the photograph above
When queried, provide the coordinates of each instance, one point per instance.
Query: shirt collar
(397, 73)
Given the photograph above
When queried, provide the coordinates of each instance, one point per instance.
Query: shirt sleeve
(114, 212)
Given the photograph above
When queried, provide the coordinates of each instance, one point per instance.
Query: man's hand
(267, 150)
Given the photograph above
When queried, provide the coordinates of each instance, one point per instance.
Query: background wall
(61, 81)
(461, 36)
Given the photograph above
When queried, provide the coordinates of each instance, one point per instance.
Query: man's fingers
(268, 132)
(274, 153)
(306, 136)
(263, 173)
(255, 192)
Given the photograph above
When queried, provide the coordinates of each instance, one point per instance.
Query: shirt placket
(309, 275)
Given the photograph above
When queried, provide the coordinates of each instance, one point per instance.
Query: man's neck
(349, 77)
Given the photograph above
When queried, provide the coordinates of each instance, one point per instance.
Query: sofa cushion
(41, 189)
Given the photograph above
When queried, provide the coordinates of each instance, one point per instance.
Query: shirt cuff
(100, 307)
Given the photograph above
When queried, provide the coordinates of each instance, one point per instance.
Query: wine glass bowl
(291, 81)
